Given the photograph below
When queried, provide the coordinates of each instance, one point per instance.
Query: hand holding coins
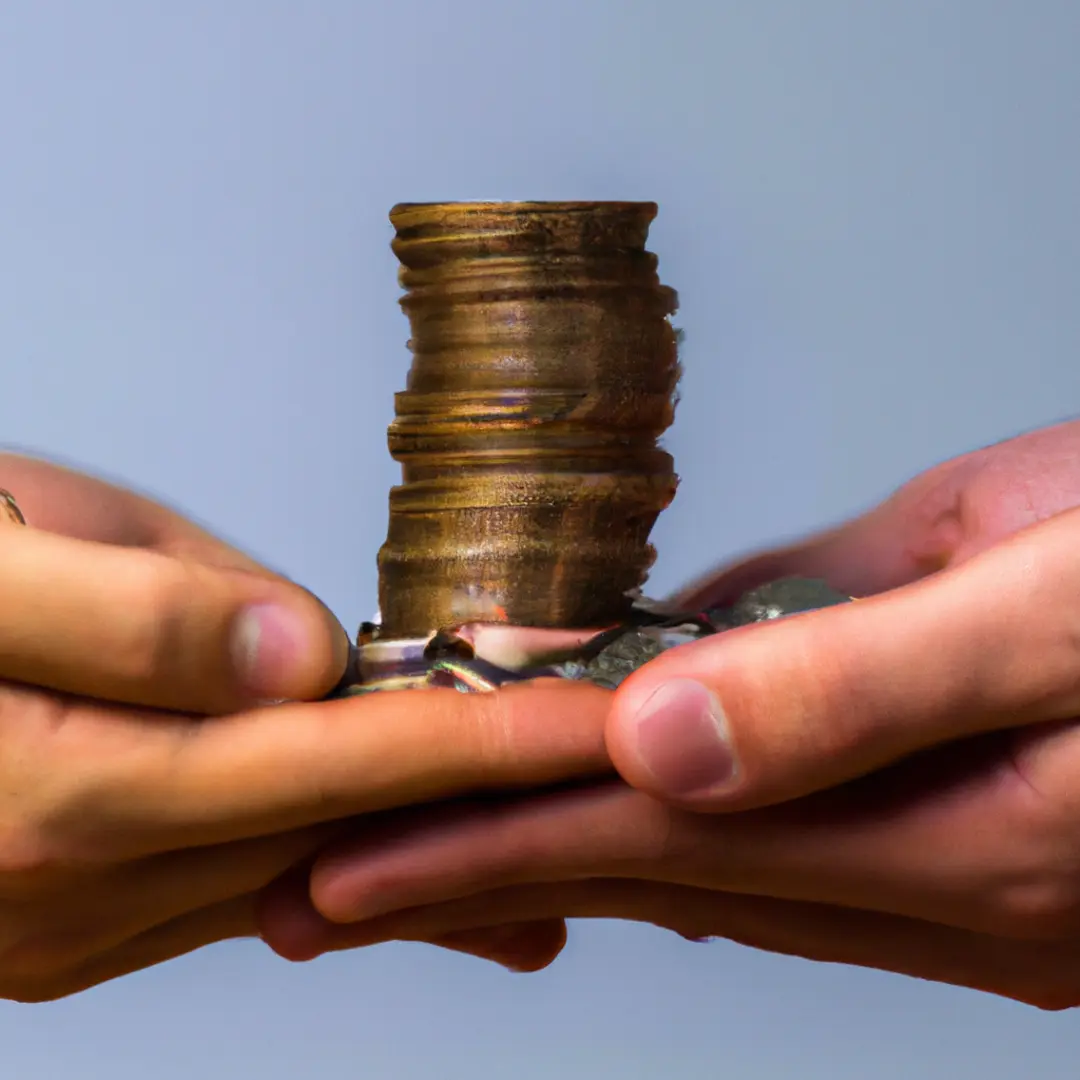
(146, 794)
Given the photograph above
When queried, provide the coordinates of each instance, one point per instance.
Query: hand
(131, 833)
(891, 783)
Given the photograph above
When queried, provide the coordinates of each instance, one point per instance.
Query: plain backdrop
(870, 212)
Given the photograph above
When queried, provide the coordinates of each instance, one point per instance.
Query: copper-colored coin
(544, 372)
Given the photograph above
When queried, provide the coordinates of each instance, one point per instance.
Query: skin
(146, 796)
(901, 787)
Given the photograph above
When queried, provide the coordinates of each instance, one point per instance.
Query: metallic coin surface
(475, 659)
(544, 372)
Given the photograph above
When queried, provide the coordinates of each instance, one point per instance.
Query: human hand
(890, 783)
(131, 833)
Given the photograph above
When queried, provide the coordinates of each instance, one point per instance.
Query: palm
(943, 517)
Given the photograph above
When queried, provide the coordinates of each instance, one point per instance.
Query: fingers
(168, 784)
(72, 917)
(771, 712)
(424, 858)
(941, 518)
(1037, 973)
(126, 901)
(222, 922)
(964, 842)
(295, 931)
(912, 534)
(860, 558)
(523, 947)
(160, 908)
(61, 500)
(526, 948)
(146, 628)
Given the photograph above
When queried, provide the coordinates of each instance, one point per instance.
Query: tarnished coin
(775, 600)
(478, 658)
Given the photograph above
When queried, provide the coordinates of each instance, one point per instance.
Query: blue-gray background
(870, 212)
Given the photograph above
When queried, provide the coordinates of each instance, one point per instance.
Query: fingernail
(267, 642)
(683, 740)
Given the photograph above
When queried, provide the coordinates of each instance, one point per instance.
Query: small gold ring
(9, 509)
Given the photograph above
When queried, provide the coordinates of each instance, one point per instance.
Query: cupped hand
(146, 794)
(111, 596)
(891, 783)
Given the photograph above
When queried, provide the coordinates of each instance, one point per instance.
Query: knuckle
(173, 633)
(161, 591)
(1045, 907)
(27, 860)
(785, 714)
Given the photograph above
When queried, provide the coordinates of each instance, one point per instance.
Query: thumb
(771, 712)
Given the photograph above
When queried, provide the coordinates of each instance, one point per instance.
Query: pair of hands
(893, 783)
(893, 787)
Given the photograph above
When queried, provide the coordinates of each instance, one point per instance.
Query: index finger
(942, 517)
(772, 712)
(172, 784)
(137, 626)
(59, 499)
(914, 533)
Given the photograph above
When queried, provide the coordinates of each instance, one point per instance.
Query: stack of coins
(544, 372)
